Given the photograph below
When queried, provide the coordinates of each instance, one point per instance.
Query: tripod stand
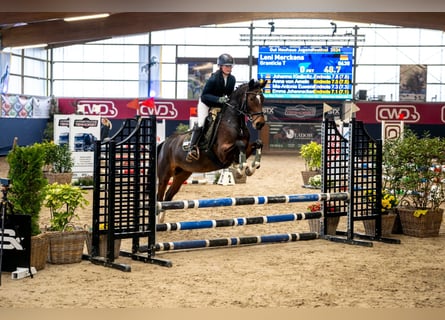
(5, 204)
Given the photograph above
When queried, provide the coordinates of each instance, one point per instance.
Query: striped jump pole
(252, 200)
(234, 241)
(209, 224)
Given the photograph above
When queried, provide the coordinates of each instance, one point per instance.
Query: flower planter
(387, 224)
(308, 174)
(423, 226)
(103, 245)
(66, 246)
(39, 251)
(61, 178)
(397, 227)
(315, 224)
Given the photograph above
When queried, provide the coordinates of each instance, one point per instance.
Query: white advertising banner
(61, 128)
(80, 132)
(84, 131)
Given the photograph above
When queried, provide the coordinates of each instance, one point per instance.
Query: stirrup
(193, 154)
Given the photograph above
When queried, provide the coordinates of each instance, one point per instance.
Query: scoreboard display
(306, 72)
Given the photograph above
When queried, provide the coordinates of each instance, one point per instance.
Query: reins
(243, 109)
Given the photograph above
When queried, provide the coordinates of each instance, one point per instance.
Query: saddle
(209, 131)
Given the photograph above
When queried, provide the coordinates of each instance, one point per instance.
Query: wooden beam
(51, 29)
(120, 24)
(11, 18)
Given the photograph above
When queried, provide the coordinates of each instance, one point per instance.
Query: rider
(215, 94)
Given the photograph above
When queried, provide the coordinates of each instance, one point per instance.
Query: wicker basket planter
(103, 245)
(39, 251)
(308, 174)
(387, 224)
(397, 227)
(61, 178)
(315, 224)
(427, 225)
(66, 246)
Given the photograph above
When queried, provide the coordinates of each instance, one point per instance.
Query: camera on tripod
(5, 182)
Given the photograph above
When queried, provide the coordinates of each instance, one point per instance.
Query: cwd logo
(407, 113)
(392, 130)
(10, 242)
(164, 110)
(97, 107)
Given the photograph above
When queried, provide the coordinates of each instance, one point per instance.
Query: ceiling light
(39, 45)
(92, 16)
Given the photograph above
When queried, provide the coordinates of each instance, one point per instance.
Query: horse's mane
(241, 89)
(238, 92)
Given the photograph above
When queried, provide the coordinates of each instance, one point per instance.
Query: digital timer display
(306, 72)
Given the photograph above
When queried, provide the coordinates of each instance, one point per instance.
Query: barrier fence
(124, 197)
(252, 200)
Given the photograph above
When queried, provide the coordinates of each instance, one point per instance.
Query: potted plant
(414, 169)
(58, 163)
(311, 154)
(315, 181)
(26, 194)
(103, 243)
(66, 242)
(315, 224)
(388, 215)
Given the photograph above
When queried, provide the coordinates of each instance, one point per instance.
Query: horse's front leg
(256, 146)
(245, 152)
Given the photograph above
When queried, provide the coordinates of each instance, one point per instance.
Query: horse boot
(193, 153)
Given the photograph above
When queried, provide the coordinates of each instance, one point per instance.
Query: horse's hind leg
(178, 180)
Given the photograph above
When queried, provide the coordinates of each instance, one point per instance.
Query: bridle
(243, 109)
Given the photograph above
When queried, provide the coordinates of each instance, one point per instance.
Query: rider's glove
(223, 99)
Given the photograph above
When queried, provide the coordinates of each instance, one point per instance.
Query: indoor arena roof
(18, 29)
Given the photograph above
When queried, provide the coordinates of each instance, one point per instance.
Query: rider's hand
(223, 99)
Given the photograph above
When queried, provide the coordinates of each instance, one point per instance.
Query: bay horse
(228, 145)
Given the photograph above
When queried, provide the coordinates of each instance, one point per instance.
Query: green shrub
(27, 181)
(412, 169)
(311, 153)
(58, 158)
(63, 200)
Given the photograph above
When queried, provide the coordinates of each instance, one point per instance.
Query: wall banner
(80, 133)
(25, 107)
(412, 82)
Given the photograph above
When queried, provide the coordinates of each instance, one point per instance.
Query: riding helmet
(225, 60)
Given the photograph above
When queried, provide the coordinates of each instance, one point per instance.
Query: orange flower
(314, 207)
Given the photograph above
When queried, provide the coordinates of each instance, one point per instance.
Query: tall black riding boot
(193, 153)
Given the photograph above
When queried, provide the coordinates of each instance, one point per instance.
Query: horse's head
(254, 100)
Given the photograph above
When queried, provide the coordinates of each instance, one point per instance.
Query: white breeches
(203, 112)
